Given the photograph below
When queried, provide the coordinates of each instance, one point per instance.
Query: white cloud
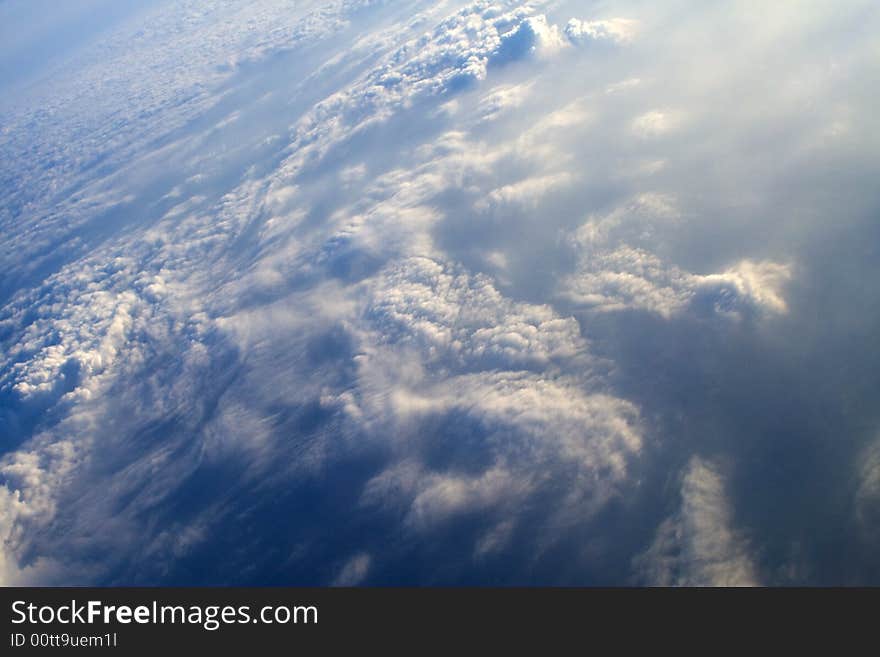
(698, 546)
(454, 318)
(582, 442)
(615, 272)
(524, 193)
(757, 283)
(655, 123)
(502, 99)
(618, 30)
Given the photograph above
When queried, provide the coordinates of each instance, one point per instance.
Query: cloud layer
(470, 292)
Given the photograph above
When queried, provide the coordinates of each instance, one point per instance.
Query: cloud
(443, 349)
(524, 193)
(867, 506)
(501, 99)
(509, 422)
(533, 35)
(697, 546)
(478, 281)
(614, 272)
(757, 284)
(354, 571)
(617, 30)
(457, 318)
(654, 123)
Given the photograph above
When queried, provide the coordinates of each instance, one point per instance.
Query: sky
(424, 293)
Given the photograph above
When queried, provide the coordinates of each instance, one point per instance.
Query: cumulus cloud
(440, 347)
(534, 35)
(616, 272)
(455, 318)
